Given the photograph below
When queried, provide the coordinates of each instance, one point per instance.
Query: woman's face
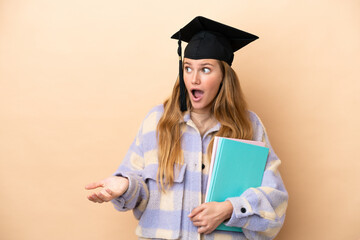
(202, 80)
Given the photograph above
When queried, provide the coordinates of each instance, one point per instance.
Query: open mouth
(197, 93)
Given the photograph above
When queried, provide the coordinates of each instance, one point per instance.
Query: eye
(187, 69)
(206, 70)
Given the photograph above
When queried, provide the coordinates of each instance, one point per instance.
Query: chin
(199, 107)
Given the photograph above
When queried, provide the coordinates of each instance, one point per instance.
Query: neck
(203, 121)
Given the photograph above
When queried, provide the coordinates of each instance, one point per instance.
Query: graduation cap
(208, 39)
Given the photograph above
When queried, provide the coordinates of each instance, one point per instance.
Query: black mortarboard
(208, 39)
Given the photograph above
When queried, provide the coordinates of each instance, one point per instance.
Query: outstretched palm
(112, 187)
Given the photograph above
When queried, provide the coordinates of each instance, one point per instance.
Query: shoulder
(255, 119)
(155, 112)
(258, 127)
(157, 109)
(152, 118)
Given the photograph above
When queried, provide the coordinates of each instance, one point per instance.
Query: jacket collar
(187, 119)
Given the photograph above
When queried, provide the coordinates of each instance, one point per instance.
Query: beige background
(78, 76)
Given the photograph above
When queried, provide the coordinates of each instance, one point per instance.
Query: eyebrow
(202, 64)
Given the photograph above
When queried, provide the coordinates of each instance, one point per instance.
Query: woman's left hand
(208, 216)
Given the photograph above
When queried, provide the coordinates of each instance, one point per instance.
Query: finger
(196, 218)
(93, 185)
(196, 211)
(109, 191)
(202, 229)
(197, 224)
(93, 198)
(104, 195)
(96, 199)
(209, 230)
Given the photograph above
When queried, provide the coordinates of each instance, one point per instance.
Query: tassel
(183, 106)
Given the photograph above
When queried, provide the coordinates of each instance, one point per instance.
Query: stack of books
(236, 165)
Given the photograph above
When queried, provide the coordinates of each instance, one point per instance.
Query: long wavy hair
(229, 108)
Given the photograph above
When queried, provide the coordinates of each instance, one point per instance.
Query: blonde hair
(229, 108)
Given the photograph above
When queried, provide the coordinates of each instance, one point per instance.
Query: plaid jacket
(164, 215)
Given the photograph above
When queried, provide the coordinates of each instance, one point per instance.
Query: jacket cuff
(242, 209)
(130, 193)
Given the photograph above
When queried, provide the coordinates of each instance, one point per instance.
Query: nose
(196, 78)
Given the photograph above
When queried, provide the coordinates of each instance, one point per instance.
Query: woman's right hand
(111, 188)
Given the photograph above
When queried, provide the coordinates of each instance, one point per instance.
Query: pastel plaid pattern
(164, 215)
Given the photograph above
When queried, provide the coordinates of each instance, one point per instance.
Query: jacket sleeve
(132, 167)
(260, 212)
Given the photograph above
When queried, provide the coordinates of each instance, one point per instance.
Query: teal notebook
(236, 166)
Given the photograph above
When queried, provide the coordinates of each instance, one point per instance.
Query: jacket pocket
(163, 214)
(150, 172)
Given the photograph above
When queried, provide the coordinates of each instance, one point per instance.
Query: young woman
(164, 175)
